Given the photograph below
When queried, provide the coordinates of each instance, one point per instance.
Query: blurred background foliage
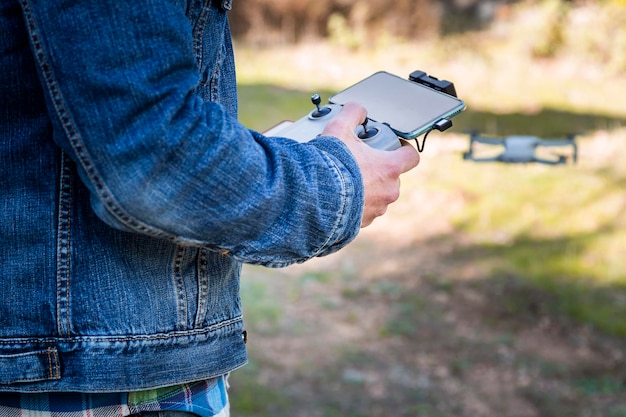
(596, 29)
(487, 290)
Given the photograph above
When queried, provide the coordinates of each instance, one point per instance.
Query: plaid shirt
(206, 399)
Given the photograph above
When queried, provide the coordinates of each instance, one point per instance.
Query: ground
(412, 320)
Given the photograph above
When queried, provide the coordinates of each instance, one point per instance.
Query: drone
(521, 149)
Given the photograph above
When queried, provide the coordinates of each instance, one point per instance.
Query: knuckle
(394, 195)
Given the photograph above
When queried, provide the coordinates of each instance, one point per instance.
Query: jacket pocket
(39, 365)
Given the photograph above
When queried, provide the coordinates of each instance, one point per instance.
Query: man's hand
(380, 169)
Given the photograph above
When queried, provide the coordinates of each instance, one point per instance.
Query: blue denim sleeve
(121, 81)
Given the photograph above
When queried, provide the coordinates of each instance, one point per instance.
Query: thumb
(344, 124)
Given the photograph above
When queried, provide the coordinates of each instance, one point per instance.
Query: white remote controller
(375, 134)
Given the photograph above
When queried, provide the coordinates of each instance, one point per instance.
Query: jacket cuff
(350, 215)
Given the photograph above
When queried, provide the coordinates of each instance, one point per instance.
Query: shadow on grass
(262, 106)
(546, 123)
(556, 281)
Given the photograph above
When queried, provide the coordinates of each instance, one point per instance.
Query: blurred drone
(521, 149)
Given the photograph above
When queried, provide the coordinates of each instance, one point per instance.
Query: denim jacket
(130, 195)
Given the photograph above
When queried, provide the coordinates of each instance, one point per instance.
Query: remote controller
(375, 134)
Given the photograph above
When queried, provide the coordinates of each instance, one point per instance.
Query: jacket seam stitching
(198, 32)
(203, 287)
(53, 363)
(64, 248)
(126, 338)
(179, 283)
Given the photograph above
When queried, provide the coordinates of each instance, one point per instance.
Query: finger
(406, 157)
(351, 115)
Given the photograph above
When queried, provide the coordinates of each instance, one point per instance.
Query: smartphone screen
(409, 108)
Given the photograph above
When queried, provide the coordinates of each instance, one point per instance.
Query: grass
(536, 241)
(254, 398)
(561, 229)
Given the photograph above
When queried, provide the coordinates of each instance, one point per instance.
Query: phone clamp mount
(376, 134)
(444, 86)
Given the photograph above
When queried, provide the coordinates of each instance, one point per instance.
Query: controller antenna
(321, 111)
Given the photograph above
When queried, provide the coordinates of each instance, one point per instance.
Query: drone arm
(557, 142)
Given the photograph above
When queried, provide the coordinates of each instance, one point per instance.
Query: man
(131, 196)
